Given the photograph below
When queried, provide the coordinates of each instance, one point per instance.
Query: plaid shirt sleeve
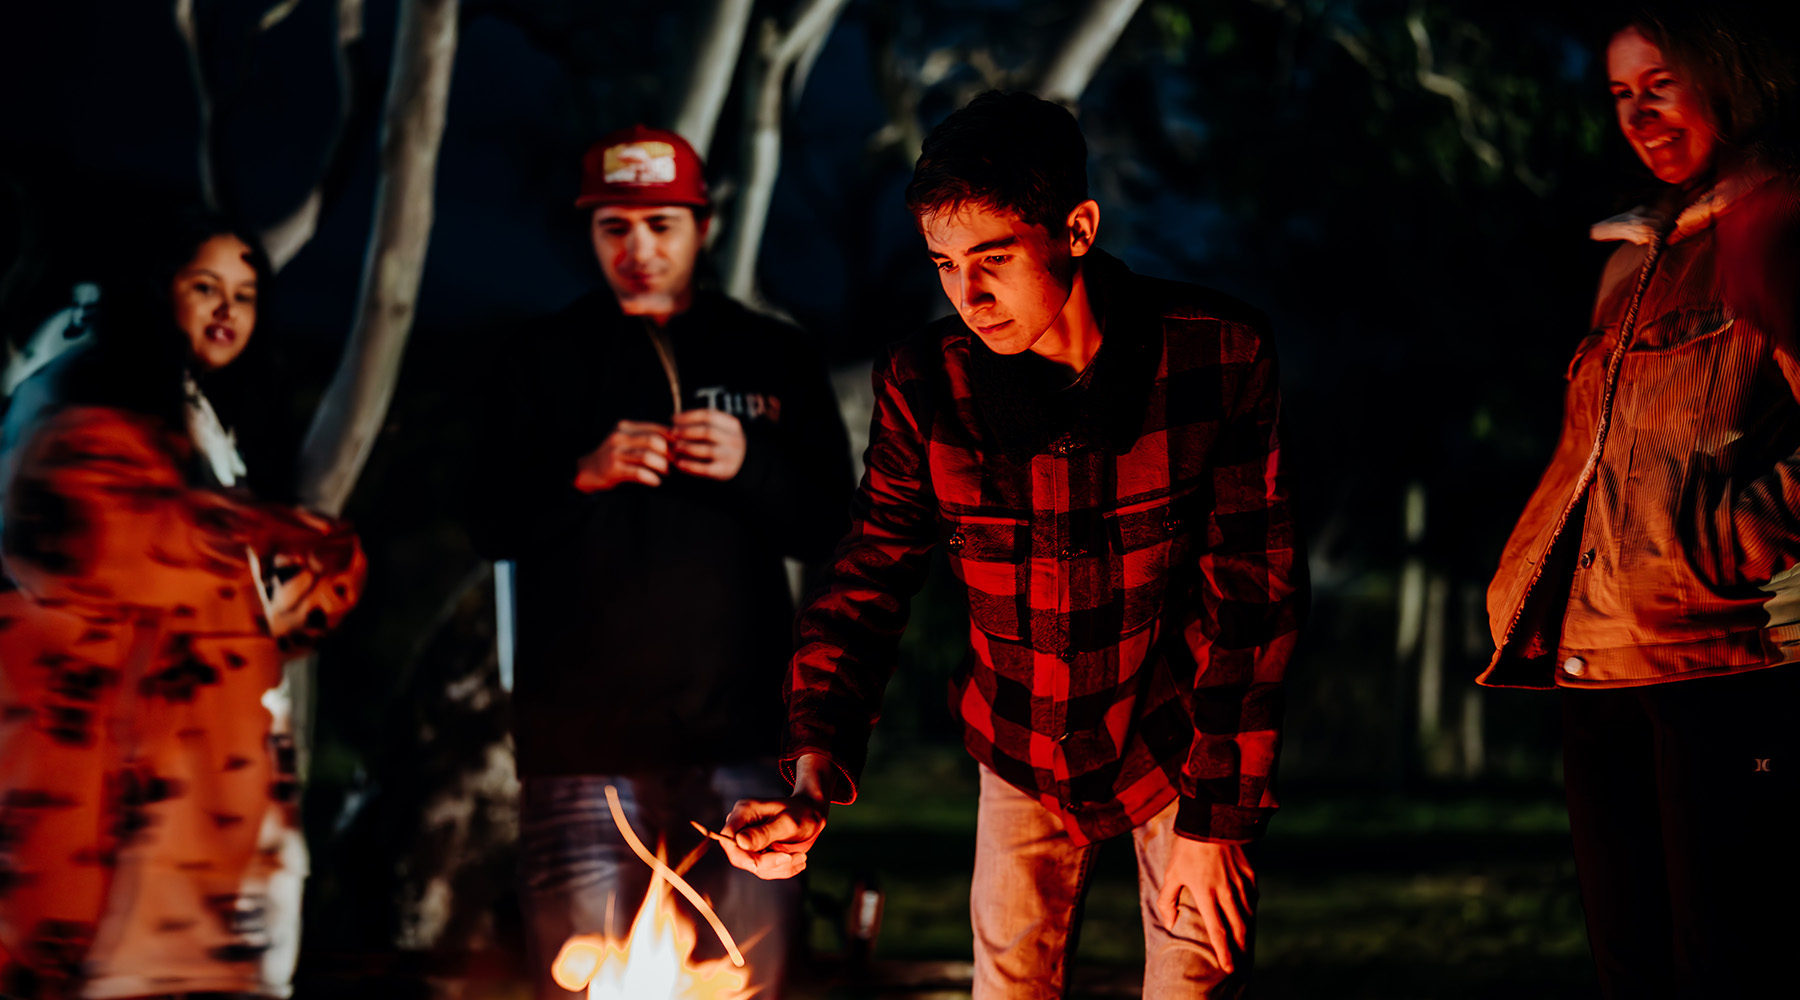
(1248, 601)
(850, 630)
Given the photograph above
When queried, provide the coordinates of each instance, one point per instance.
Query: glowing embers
(654, 963)
(656, 960)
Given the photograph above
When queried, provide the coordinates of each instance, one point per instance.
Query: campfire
(655, 961)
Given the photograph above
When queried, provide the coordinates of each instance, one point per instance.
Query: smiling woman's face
(215, 301)
(1660, 112)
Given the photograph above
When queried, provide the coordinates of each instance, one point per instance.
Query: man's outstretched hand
(770, 837)
(1221, 887)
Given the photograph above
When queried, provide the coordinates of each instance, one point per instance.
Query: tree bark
(350, 416)
(1080, 58)
(284, 240)
(714, 66)
(779, 52)
(190, 37)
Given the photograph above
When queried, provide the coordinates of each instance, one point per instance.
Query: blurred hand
(633, 453)
(708, 443)
(1221, 887)
(290, 580)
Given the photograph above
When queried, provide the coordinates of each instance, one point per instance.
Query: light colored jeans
(580, 877)
(1025, 905)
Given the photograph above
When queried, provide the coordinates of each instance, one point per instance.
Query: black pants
(1682, 803)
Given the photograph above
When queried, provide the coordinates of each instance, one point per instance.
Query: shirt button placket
(1061, 480)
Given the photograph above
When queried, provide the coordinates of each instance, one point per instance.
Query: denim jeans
(1025, 905)
(580, 877)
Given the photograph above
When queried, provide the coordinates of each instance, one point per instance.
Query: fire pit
(655, 961)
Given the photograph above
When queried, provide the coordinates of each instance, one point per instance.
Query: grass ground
(1461, 894)
(1465, 894)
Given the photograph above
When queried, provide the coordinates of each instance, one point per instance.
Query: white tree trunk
(715, 63)
(1080, 58)
(350, 416)
(779, 52)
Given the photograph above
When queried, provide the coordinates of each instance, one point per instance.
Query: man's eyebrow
(1004, 241)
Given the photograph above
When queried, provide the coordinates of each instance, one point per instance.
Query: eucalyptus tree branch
(203, 98)
(284, 239)
(350, 416)
(276, 14)
(1450, 87)
(1086, 48)
(714, 66)
(779, 53)
(1353, 43)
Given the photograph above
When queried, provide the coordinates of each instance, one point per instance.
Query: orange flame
(654, 963)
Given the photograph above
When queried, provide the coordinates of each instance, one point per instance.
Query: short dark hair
(1740, 56)
(1010, 152)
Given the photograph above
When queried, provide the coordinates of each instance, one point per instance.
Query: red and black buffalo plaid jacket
(1134, 578)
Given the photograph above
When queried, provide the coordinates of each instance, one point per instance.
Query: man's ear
(1083, 227)
(701, 224)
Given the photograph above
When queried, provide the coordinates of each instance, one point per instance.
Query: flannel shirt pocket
(988, 553)
(1149, 542)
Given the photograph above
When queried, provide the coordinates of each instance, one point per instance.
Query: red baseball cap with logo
(641, 166)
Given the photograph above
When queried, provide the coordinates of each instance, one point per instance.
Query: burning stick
(637, 846)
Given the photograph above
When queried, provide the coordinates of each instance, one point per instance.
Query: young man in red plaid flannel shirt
(1097, 453)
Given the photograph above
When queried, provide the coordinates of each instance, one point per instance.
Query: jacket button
(955, 542)
(1171, 525)
(1073, 807)
(1064, 447)
(1068, 654)
(1587, 559)
(1574, 666)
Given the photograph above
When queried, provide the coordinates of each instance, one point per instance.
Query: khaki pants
(1025, 905)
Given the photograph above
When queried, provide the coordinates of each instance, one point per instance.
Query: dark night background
(1404, 186)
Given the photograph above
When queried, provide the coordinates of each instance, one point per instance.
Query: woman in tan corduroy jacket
(1652, 576)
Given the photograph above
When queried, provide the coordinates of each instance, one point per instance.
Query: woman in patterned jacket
(147, 784)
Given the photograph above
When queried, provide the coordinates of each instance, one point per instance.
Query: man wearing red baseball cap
(656, 449)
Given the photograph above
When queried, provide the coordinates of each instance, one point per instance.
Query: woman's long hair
(1742, 58)
(141, 355)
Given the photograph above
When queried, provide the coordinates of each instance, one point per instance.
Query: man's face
(647, 254)
(1007, 278)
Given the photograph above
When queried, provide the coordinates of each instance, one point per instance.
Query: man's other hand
(770, 837)
(708, 443)
(633, 453)
(1221, 886)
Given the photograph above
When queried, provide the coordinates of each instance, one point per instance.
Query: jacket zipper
(665, 354)
(1627, 330)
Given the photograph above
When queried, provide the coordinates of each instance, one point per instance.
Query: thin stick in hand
(704, 832)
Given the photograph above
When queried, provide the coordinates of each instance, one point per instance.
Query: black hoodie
(654, 624)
